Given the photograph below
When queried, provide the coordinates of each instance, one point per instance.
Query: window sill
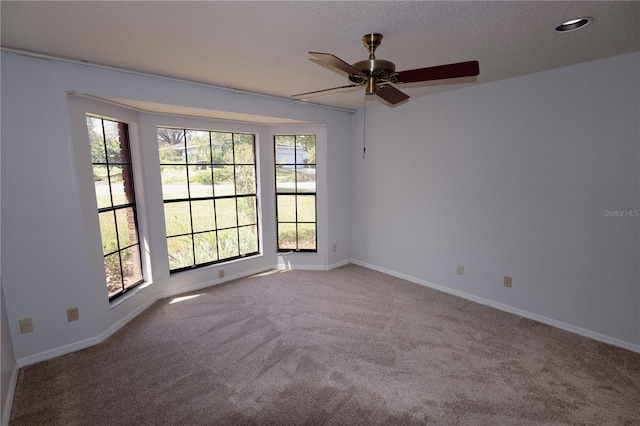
(215, 266)
(128, 295)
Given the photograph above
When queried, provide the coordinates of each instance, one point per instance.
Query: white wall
(512, 178)
(50, 231)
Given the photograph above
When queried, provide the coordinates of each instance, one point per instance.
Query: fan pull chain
(364, 130)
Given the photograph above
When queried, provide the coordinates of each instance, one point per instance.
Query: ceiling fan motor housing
(376, 70)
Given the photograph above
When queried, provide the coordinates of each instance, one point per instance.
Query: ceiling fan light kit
(377, 76)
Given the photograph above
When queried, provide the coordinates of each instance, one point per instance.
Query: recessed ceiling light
(573, 25)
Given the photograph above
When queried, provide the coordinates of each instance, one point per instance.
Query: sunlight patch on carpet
(183, 298)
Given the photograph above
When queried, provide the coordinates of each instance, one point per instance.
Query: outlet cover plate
(26, 325)
(72, 314)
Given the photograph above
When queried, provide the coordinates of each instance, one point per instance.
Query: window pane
(222, 146)
(306, 208)
(108, 232)
(131, 266)
(306, 178)
(285, 179)
(226, 213)
(121, 184)
(245, 180)
(100, 173)
(248, 239)
(285, 149)
(206, 247)
(247, 211)
(228, 243)
(203, 215)
(286, 208)
(96, 139)
(200, 182)
(307, 147)
(224, 180)
(101, 183)
(171, 148)
(287, 236)
(127, 233)
(113, 274)
(180, 251)
(198, 149)
(174, 182)
(177, 218)
(244, 153)
(112, 139)
(307, 236)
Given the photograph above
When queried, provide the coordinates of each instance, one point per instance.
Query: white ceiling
(263, 46)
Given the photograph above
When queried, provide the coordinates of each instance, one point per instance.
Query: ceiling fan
(378, 75)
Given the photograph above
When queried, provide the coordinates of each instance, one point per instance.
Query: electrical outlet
(221, 273)
(72, 314)
(335, 247)
(26, 325)
(460, 270)
(507, 281)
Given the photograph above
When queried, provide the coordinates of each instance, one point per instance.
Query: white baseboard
(525, 314)
(338, 264)
(282, 267)
(56, 352)
(8, 400)
(313, 267)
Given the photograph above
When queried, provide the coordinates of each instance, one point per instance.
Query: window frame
(255, 195)
(296, 193)
(124, 138)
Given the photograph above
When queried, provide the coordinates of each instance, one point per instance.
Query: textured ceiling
(263, 46)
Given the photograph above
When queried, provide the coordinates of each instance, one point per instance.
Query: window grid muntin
(215, 198)
(125, 157)
(295, 193)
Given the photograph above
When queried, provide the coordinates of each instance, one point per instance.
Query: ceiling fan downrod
(371, 42)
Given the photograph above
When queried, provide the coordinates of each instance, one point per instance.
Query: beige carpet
(346, 347)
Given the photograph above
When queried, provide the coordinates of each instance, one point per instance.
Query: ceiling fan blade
(441, 72)
(392, 95)
(315, 92)
(334, 61)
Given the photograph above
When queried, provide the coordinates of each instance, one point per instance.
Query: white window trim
(78, 109)
(307, 260)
